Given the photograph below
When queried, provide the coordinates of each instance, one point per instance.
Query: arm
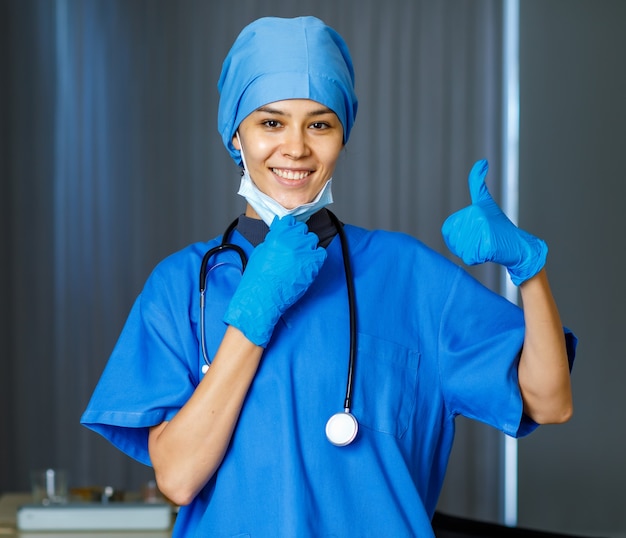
(481, 232)
(543, 371)
(187, 451)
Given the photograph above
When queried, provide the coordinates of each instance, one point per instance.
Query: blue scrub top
(433, 343)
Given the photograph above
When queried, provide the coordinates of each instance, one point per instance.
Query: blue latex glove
(278, 273)
(482, 233)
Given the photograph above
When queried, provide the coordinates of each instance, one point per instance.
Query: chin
(291, 204)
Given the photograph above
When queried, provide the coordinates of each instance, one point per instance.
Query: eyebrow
(268, 109)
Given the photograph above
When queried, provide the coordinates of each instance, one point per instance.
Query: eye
(271, 124)
(319, 125)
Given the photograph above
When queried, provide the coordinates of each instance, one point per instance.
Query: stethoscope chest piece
(341, 428)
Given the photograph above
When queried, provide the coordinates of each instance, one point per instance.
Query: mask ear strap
(243, 158)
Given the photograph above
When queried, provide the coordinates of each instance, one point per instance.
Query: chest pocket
(385, 385)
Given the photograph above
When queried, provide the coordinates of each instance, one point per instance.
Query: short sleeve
(480, 342)
(148, 377)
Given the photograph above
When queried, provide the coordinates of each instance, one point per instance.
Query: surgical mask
(267, 208)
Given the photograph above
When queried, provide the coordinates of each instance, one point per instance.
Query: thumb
(476, 180)
(282, 223)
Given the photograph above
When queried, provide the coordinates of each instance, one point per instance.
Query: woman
(242, 445)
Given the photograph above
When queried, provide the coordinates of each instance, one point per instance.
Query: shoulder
(397, 247)
(180, 269)
(181, 260)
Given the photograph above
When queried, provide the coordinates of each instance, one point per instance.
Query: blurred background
(110, 160)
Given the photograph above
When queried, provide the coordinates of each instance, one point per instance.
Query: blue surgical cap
(274, 59)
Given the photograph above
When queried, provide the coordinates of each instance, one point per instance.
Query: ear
(236, 143)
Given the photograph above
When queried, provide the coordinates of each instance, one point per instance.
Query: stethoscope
(342, 427)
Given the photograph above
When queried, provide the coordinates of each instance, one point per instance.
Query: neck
(250, 212)
(254, 229)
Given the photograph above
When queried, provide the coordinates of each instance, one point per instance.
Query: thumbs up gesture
(481, 233)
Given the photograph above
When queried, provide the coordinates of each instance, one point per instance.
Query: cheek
(260, 150)
(331, 157)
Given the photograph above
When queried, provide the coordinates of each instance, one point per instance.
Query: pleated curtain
(111, 161)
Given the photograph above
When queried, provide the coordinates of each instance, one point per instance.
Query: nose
(295, 144)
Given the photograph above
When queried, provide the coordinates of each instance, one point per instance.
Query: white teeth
(290, 174)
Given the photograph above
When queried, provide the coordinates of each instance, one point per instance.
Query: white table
(10, 502)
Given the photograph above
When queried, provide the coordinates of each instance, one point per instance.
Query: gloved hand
(278, 273)
(482, 233)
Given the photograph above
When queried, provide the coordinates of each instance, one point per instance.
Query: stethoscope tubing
(347, 266)
(222, 247)
(347, 435)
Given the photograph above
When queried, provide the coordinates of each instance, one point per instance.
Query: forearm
(188, 450)
(544, 376)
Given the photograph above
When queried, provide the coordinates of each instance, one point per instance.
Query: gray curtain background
(111, 161)
(573, 188)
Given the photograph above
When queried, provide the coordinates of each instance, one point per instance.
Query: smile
(290, 174)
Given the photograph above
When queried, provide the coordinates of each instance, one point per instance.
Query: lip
(291, 175)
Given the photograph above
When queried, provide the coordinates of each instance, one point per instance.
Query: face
(291, 148)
